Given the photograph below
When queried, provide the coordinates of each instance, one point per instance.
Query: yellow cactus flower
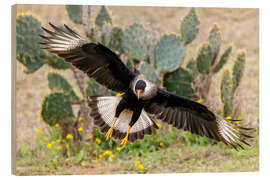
(83, 164)
(69, 136)
(199, 100)
(119, 94)
(229, 117)
(161, 144)
(59, 148)
(141, 167)
(80, 118)
(80, 129)
(118, 148)
(159, 126)
(39, 131)
(98, 140)
(49, 146)
(57, 125)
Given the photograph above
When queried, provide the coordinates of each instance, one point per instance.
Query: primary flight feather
(126, 117)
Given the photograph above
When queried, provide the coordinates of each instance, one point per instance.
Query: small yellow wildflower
(53, 142)
(80, 118)
(39, 131)
(161, 144)
(49, 146)
(69, 136)
(112, 155)
(58, 140)
(229, 117)
(98, 140)
(118, 148)
(80, 129)
(57, 125)
(159, 126)
(83, 164)
(107, 152)
(141, 167)
(137, 162)
(58, 148)
(199, 101)
(100, 156)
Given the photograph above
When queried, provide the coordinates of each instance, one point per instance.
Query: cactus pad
(28, 49)
(130, 64)
(169, 53)
(227, 93)
(58, 63)
(149, 72)
(190, 26)
(75, 13)
(115, 41)
(93, 88)
(135, 41)
(103, 17)
(238, 69)
(204, 58)
(57, 83)
(179, 82)
(224, 58)
(56, 108)
(215, 41)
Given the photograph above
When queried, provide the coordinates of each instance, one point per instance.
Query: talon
(110, 131)
(125, 140)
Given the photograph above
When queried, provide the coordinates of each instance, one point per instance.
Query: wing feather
(96, 60)
(191, 116)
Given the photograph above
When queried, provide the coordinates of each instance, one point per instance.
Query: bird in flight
(131, 116)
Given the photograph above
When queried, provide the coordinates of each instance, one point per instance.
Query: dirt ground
(240, 26)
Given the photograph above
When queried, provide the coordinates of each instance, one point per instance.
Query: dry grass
(240, 26)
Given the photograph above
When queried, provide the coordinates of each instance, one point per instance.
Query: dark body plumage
(141, 96)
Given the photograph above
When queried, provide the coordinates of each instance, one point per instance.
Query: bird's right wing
(96, 60)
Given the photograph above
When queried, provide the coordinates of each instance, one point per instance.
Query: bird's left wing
(97, 61)
(191, 116)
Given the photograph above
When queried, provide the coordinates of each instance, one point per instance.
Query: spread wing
(191, 116)
(97, 61)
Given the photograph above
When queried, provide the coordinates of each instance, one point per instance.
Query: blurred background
(170, 155)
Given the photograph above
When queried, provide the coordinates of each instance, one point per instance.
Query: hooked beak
(139, 92)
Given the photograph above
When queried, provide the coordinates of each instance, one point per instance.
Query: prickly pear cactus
(93, 88)
(56, 108)
(215, 41)
(238, 69)
(204, 58)
(179, 82)
(224, 58)
(57, 62)
(57, 83)
(115, 41)
(103, 17)
(170, 52)
(190, 26)
(28, 50)
(75, 13)
(149, 73)
(135, 41)
(226, 89)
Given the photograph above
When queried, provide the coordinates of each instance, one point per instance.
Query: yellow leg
(110, 131)
(125, 140)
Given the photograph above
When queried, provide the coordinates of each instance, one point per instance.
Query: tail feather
(103, 111)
